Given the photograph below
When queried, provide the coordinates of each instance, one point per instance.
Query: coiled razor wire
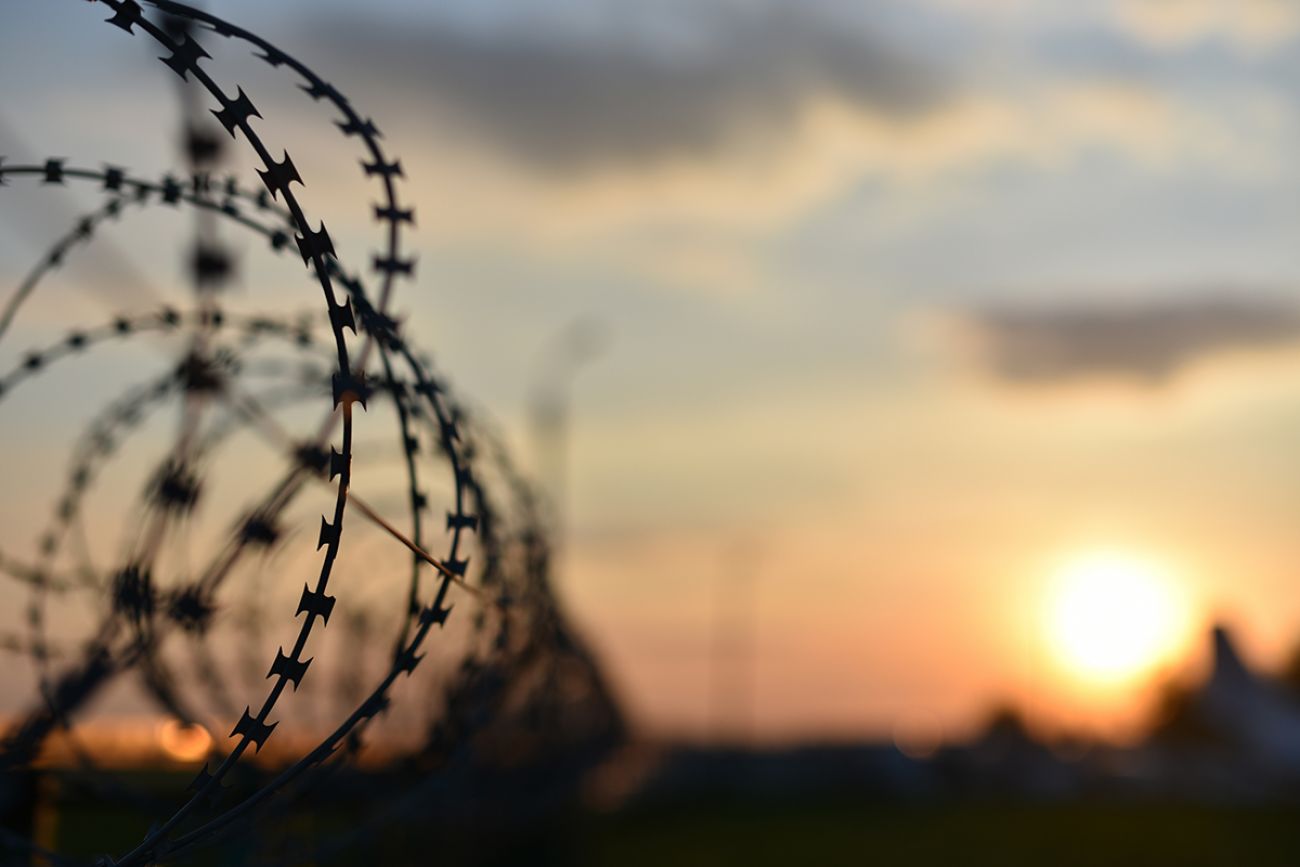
(518, 690)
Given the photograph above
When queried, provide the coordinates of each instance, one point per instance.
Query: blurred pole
(735, 630)
(577, 344)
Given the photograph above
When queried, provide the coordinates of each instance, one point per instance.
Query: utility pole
(735, 631)
(577, 344)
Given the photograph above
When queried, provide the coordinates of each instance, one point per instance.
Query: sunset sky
(906, 309)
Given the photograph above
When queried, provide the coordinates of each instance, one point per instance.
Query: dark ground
(820, 833)
(1066, 835)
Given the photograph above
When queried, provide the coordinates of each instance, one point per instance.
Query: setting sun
(1114, 616)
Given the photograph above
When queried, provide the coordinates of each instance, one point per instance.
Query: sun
(1114, 616)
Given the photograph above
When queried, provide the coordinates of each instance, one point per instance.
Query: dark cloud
(1148, 342)
(566, 104)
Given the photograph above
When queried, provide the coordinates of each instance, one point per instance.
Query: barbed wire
(518, 672)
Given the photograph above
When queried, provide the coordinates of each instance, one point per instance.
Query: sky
(901, 306)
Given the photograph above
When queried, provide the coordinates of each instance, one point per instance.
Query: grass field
(822, 833)
(973, 835)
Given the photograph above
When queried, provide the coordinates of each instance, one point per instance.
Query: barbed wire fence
(508, 700)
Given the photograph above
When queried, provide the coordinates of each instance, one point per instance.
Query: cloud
(752, 192)
(565, 104)
(568, 134)
(1148, 343)
(1253, 25)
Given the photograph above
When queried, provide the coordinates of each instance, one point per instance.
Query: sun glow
(1115, 617)
(183, 743)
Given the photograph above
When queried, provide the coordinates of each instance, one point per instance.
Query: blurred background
(917, 379)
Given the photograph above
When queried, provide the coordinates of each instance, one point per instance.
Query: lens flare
(183, 743)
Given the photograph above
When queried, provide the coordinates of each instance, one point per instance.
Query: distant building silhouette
(1237, 734)
(1234, 736)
